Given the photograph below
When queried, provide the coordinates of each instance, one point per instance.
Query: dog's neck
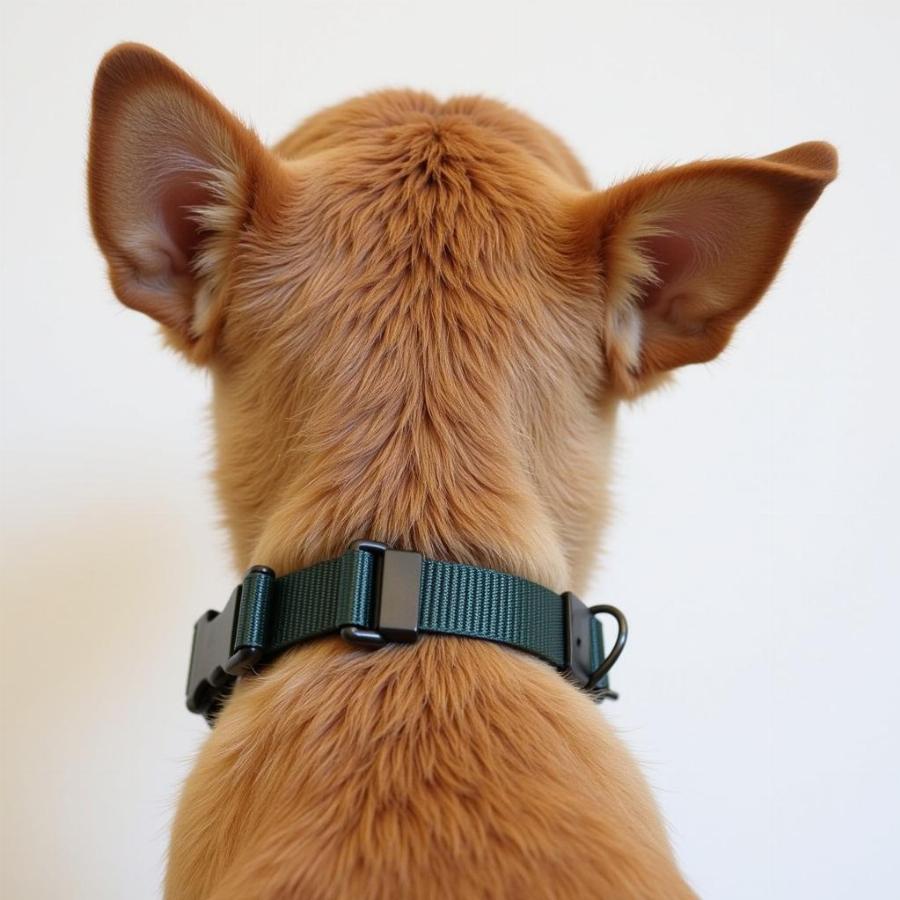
(470, 490)
(499, 525)
(490, 515)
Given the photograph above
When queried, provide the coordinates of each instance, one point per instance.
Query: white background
(756, 547)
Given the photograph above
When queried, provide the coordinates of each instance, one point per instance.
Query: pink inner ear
(673, 256)
(182, 193)
(693, 239)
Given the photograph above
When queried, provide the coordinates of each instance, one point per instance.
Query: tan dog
(419, 319)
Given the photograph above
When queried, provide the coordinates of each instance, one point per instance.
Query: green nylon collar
(373, 595)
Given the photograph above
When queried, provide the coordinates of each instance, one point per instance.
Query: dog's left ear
(687, 252)
(172, 179)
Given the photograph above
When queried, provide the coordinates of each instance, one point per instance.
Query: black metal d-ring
(618, 647)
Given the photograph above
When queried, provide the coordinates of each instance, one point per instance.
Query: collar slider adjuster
(396, 593)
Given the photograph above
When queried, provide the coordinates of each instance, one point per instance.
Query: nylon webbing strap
(454, 599)
(481, 603)
(275, 613)
(268, 614)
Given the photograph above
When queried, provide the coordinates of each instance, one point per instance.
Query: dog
(419, 318)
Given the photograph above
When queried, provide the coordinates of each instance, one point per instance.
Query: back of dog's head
(418, 315)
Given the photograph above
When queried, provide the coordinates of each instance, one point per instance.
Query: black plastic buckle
(396, 585)
(579, 624)
(215, 662)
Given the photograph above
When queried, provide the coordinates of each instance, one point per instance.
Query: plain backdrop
(756, 545)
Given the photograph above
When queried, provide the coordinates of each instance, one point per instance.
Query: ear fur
(172, 179)
(687, 252)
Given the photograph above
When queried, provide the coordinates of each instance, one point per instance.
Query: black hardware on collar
(374, 595)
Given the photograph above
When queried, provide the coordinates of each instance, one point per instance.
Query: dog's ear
(687, 252)
(172, 178)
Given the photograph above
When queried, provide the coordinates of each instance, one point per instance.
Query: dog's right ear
(172, 178)
(686, 252)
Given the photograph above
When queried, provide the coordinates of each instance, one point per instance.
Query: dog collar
(374, 595)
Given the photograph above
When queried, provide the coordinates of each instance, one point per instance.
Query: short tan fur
(420, 319)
